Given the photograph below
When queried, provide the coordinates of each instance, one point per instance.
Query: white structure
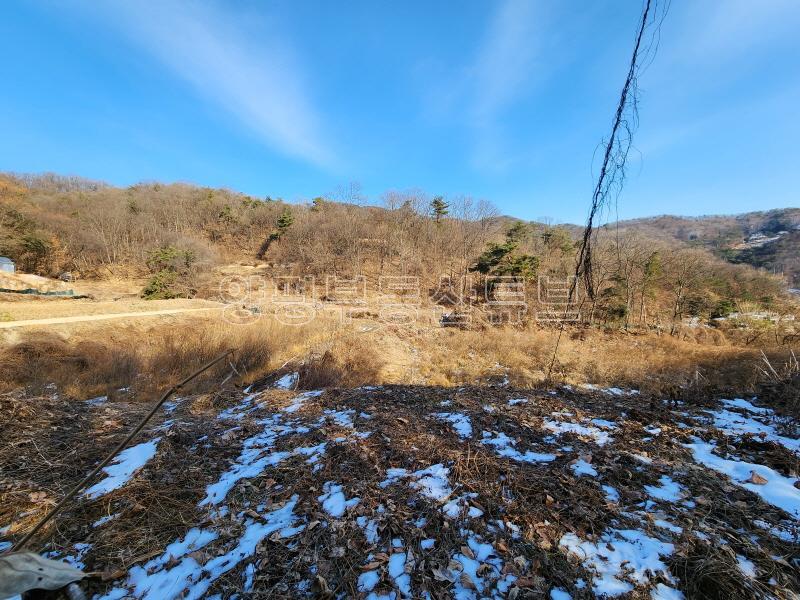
(7, 265)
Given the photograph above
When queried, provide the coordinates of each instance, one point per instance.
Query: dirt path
(82, 318)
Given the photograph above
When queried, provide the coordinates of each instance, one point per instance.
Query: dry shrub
(179, 353)
(144, 362)
(45, 358)
(349, 361)
(469, 356)
(780, 381)
(712, 573)
(687, 368)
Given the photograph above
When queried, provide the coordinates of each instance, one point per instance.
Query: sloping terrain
(780, 256)
(170, 238)
(412, 491)
(764, 240)
(715, 231)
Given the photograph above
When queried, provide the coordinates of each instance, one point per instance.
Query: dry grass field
(698, 361)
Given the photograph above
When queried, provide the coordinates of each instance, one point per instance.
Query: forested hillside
(647, 272)
(768, 239)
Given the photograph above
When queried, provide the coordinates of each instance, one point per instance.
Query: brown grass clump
(780, 385)
(712, 573)
(44, 358)
(140, 361)
(655, 364)
(349, 361)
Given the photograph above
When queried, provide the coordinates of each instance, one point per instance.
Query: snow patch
(253, 459)
(748, 406)
(461, 423)
(612, 495)
(368, 580)
(177, 575)
(785, 530)
(504, 446)
(483, 568)
(747, 567)
(454, 507)
(620, 560)
(288, 381)
(239, 411)
(761, 424)
(342, 418)
(298, 401)
(432, 482)
(581, 467)
(397, 571)
(600, 437)
(119, 472)
(333, 499)
(668, 490)
(103, 520)
(370, 528)
(778, 491)
(74, 558)
(664, 524)
(664, 592)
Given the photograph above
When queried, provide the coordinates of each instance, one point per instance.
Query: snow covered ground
(377, 493)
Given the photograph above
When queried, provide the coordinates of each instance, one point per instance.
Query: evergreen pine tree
(284, 221)
(439, 209)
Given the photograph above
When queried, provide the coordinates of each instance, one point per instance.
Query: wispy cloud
(252, 75)
(503, 70)
(506, 57)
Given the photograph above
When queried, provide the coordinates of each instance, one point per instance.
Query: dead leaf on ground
(454, 565)
(443, 575)
(324, 589)
(466, 582)
(757, 479)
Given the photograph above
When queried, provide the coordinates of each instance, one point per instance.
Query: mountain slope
(766, 239)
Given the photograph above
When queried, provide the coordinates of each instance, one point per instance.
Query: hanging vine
(612, 173)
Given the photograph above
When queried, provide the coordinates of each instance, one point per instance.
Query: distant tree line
(175, 234)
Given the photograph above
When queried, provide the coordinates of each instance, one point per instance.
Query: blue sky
(502, 100)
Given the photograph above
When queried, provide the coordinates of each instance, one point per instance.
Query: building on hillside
(7, 265)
